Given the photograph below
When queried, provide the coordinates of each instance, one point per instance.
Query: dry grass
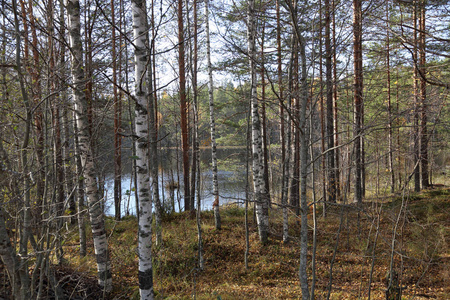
(421, 255)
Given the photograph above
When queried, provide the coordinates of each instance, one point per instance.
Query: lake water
(231, 177)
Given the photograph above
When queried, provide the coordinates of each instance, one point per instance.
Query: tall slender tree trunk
(303, 173)
(295, 111)
(38, 114)
(335, 104)
(285, 171)
(153, 150)
(80, 192)
(56, 121)
(264, 118)
(416, 133)
(423, 97)
(358, 98)
(190, 68)
(117, 123)
(141, 97)
(193, 53)
(388, 71)
(67, 150)
(212, 123)
(183, 108)
(261, 204)
(330, 113)
(322, 114)
(302, 128)
(196, 139)
(84, 139)
(399, 165)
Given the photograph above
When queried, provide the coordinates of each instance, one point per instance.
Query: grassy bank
(352, 239)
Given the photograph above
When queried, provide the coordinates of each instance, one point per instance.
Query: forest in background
(340, 108)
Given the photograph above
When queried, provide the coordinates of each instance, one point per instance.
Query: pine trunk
(183, 109)
(330, 113)
(322, 116)
(117, 123)
(388, 71)
(423, 98)
(303, 174)
(295, 112)
(358, 98)
(335, 106)
(416, 133)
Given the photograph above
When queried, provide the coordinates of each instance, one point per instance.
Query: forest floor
(354, 251)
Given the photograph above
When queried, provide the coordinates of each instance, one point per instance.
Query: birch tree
(212, 123)
(261, 205)
(141, 57)
(86, 153)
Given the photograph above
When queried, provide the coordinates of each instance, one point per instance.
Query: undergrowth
(421, 253)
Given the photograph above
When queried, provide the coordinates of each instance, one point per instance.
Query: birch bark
(261, 205)
(212, 123)
(140, 38)
(86, 153)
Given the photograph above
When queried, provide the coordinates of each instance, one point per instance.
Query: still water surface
(231, 177)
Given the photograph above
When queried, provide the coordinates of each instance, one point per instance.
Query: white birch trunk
(212, 124)
(84, 140)
(261, 205)
(80, 195)
(138, 8)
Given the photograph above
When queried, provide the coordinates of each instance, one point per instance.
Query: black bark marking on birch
(146, 279)
(104, 275)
